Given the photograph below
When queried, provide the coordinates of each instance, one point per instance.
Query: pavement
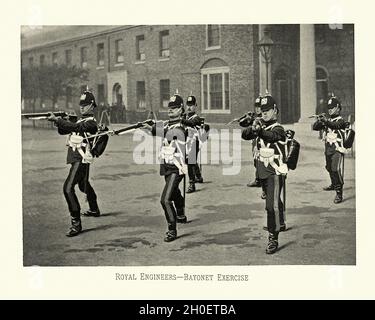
(226, 218)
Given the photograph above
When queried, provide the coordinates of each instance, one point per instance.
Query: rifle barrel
(43, 115)
(134, 126)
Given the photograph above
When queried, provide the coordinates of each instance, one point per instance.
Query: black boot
(91, 213)
(254, 184)
(198, 179)
(191, 187)
(76, 228)
(273, 243)
(181, 217)
(170, 235)
(329, 188)
(338, 197)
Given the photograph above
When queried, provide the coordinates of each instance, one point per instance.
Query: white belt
(76, 143)
(168, 154)
(268, 157)
(332, 138)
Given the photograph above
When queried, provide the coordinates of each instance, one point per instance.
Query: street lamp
(265, 46)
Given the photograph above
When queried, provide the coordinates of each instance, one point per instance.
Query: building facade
(137, 68)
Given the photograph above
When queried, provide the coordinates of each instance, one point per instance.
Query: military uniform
(271, 168)
(173, 168)
(79, 157)
(193, 124)
(333, 131)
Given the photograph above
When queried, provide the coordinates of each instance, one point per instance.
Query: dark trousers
(273, 187)
(171, 199)
(79, 174)
(194, 172)
(193, 167)
(333, 166)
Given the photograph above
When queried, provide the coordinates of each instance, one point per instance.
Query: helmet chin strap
(90, 110)
(335, 112)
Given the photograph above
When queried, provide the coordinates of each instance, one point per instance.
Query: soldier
(173, 165)
(248, 121)
(79, 157)
(268, 134)
(193, 124)
(333, 129)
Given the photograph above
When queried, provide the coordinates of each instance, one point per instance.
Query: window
(119, 51)
(213, 36)
(140, 40)
(42, 60)
(31, 61)
(164, 93)
(164, 44)
(141, 95)
(54, 58)
(215, 89)
(100, 54)
(84, 57)
(68, 57)
(101, 97)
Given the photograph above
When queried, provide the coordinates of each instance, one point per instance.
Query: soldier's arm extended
(65, 126)
(318, 125)
(246, 122)
(195, 122)
(248, 133)
(336, 125)
(274, 135)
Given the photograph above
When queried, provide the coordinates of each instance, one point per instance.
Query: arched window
(215, 83)
(117, 94)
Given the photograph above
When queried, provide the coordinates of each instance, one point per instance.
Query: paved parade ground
(226, 218)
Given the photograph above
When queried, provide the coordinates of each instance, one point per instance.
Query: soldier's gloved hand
(52, 118)
(245, 122)
(147, 127)
(323, 118)
(150, 122)
(255, 129)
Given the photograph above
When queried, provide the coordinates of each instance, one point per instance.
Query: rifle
(123, 130)
(251, 115)
(132, 127)
(45, 115)
(318, 116)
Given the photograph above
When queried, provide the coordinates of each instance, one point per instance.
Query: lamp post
(265, 45)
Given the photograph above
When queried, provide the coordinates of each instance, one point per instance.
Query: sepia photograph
(184, 151)
(216, 144)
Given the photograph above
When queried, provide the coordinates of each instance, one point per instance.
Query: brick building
(137, 68)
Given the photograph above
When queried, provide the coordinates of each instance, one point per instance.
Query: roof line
(89, 36)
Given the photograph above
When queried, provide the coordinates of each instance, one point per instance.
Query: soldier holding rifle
(173, 164)
(79, 157)
(272, 169)
(333, 126)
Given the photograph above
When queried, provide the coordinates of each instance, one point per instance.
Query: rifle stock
(251, 115)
